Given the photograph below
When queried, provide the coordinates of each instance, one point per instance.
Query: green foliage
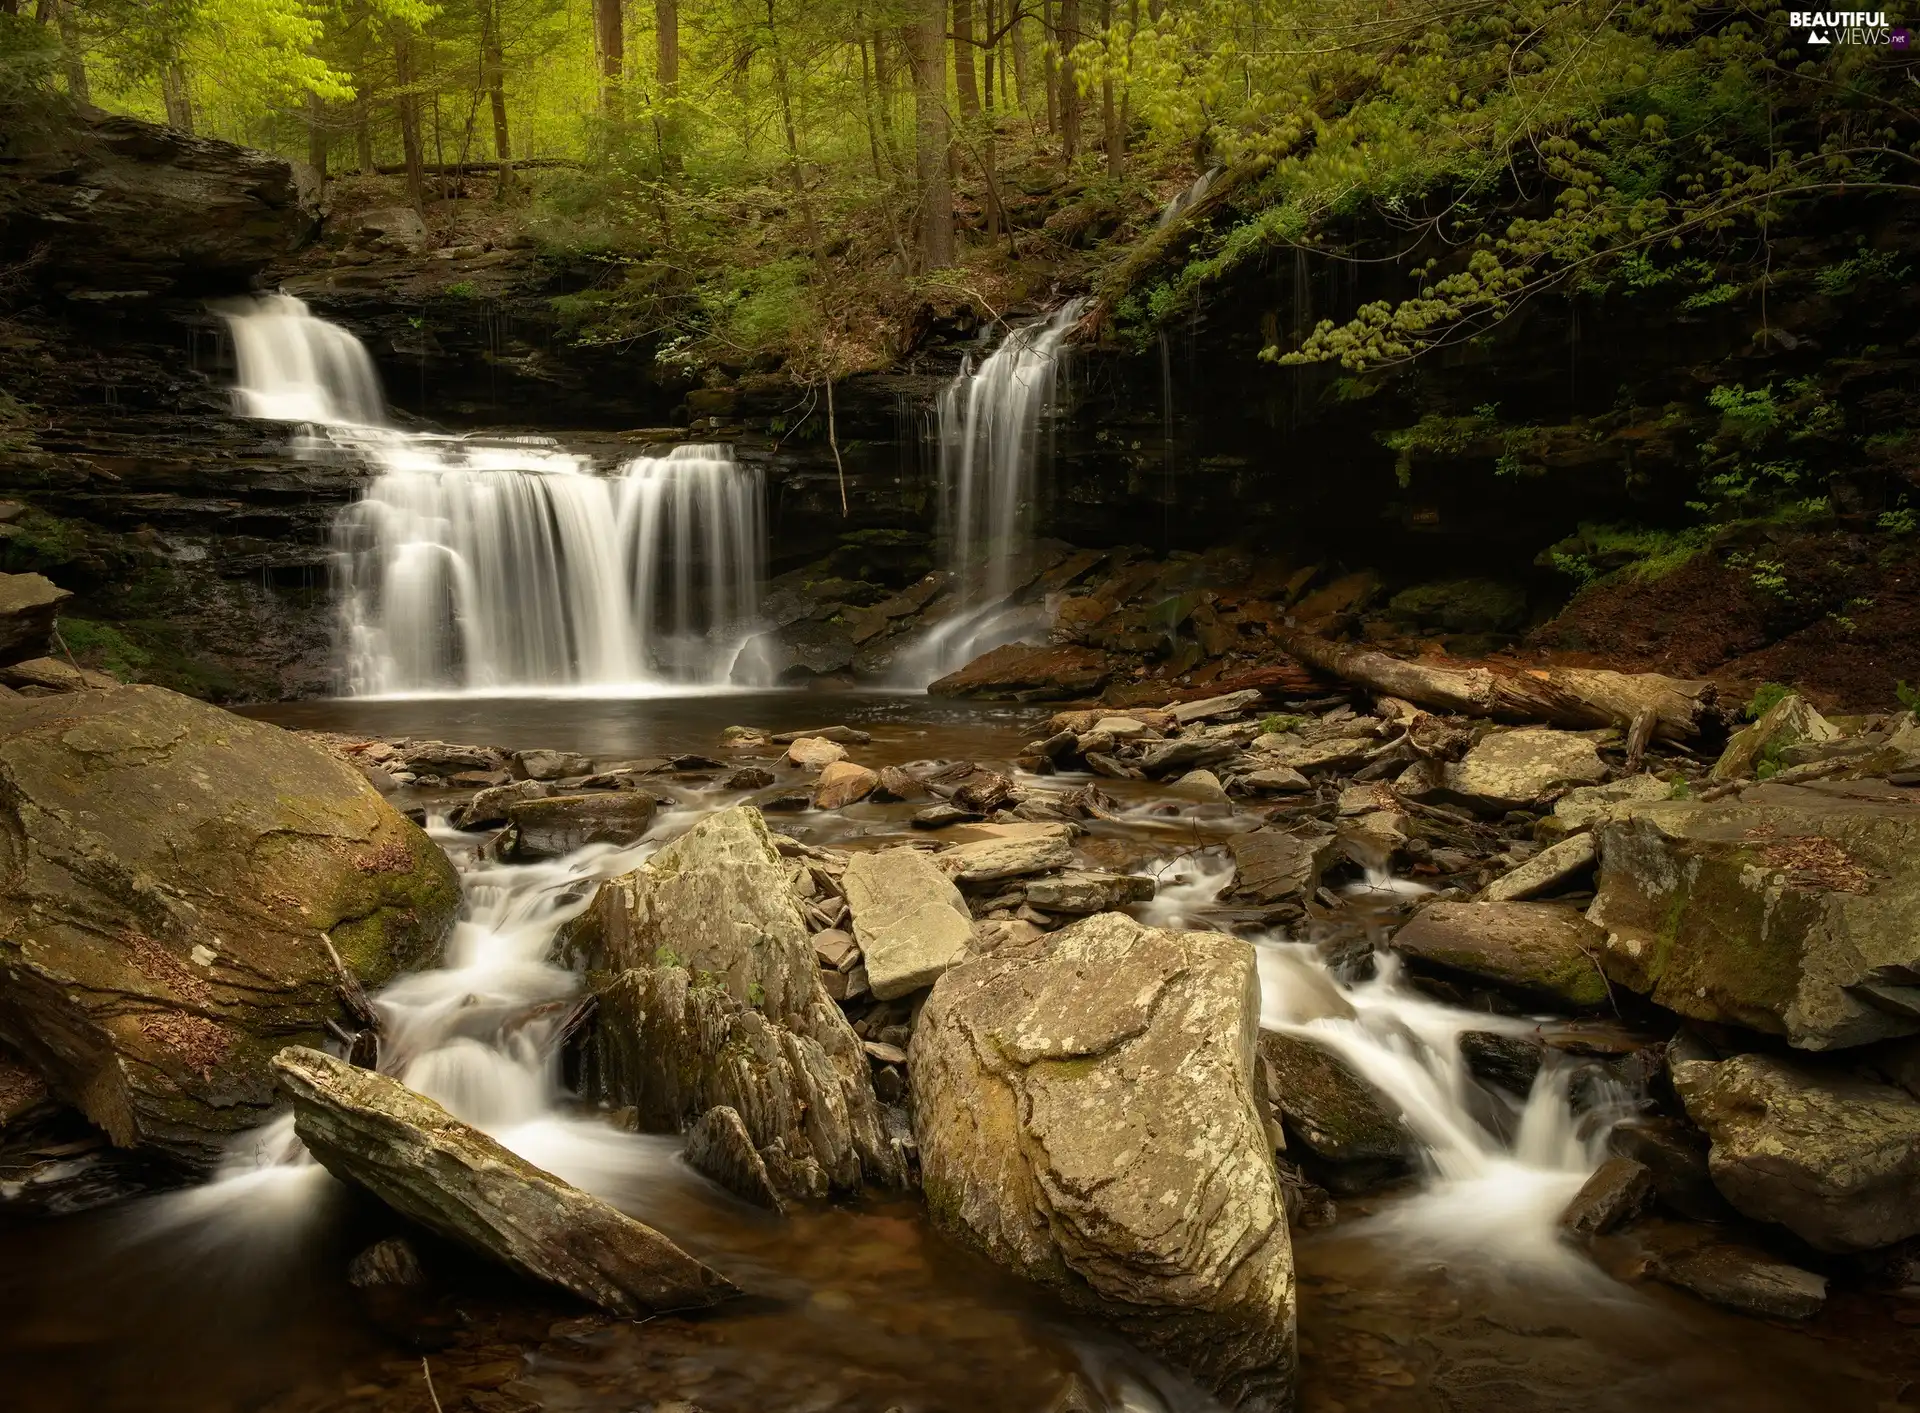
(1600, 551)
(1899, 522)
(1751, 416)
(464, 289)
(1867, 267)
(1908, 697)
(1765, 698)
(1437, 435)
(1278, 723)
(1678, 789)
(104, 646)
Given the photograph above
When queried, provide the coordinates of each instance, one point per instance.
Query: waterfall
(506, 564)
(989, 435)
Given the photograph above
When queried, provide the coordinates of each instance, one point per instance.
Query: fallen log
(1577, 697)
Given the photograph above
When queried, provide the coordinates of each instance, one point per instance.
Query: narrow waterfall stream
(989, 429)
(506, 564)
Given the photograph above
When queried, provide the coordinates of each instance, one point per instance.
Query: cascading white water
(989, 430)
(508, 565)
(484, 574)
(1495, 1193)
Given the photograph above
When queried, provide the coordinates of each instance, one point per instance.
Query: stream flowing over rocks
(773, 930)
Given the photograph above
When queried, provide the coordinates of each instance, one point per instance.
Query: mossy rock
(168, 873)
(1462, 606)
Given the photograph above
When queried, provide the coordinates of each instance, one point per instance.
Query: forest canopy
(769, 177)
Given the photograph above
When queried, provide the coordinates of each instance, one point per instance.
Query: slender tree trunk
(784, 91)
(610, 41)
(666, 56)
(1109, 107)
(494, 64)
(883, 72)
(363, 128)
(1050, 72)
(177, 95)
(1022, 72)
(866, 106)
(73, 57)
(926, 51)
(406, 107)
(989, 52)
(317, 136)
(1066, 37)
(964, 80)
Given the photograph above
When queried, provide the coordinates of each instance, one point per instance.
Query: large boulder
(28, 606)
(170, 879)
(1546, 953)
(1512, 770)
(373, 1132)
(911, 922)
(1086, 1116)
(118, 204)
(1791, 910)
(715, 999)
(1831, 1156)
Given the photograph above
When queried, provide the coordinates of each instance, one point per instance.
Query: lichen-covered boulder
(715, 998)
(1086, 1117)
(1831, 1156)
(1791, 910)
(1787, 722)
(170, 876)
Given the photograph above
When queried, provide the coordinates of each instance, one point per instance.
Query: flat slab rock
(1511, 770)
(1086, 1116)
(372, 1132)
(1276, 865)
(1009, 851)
(909, 919)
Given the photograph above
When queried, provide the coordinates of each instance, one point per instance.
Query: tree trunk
(406, 107)
(1022, 80)
(964, 81)
(1065, 38)
(610, 42)
(1049, 68)
(989, 51)
(177, 95)
(783, 90)
(73, 58)
(363, 128)
(926, 51)
(317, 136)
(866, 106)
(1574, 697)
(1109, 108)
(494, 63)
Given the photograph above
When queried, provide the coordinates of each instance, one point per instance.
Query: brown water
(178, 1304)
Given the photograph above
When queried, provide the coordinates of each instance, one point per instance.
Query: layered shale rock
(714, 999)
(373, 1132)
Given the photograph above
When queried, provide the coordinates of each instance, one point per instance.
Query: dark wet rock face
(170, 879)
(124, 209)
